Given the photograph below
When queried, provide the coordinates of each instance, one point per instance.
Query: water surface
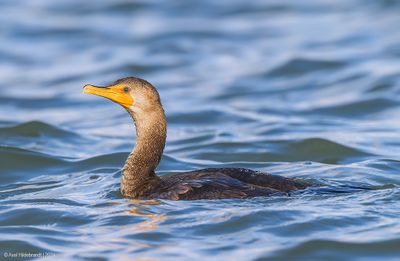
(306, 89)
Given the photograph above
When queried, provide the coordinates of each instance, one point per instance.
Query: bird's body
(220, 183)
(139, 179)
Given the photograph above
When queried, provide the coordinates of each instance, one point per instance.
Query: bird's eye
(126, 89)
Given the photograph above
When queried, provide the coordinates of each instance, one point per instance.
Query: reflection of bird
(152, 220)
(139, 180)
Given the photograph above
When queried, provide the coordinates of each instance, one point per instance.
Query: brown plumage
(139, 179)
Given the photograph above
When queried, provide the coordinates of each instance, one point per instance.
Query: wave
(359, 108)
(311, 149)
(13, 158)
(38, 102)
(300, 66)
(208, 117)
(339, 250)
(23, 164)
(35, 129)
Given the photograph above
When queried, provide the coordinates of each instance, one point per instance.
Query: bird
(138, 177)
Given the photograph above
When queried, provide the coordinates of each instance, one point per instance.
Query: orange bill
(117, 93)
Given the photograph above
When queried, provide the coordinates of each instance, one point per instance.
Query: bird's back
(222, 183)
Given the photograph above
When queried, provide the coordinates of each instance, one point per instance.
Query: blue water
(306, 89)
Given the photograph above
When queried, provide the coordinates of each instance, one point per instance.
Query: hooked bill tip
(86, 88)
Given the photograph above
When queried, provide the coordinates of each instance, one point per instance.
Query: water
(306, 89)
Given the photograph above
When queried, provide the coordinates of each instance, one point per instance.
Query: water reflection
(152, 220)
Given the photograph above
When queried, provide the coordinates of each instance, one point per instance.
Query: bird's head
(134, 94)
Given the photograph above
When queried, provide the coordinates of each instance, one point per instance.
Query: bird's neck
(138, 174)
